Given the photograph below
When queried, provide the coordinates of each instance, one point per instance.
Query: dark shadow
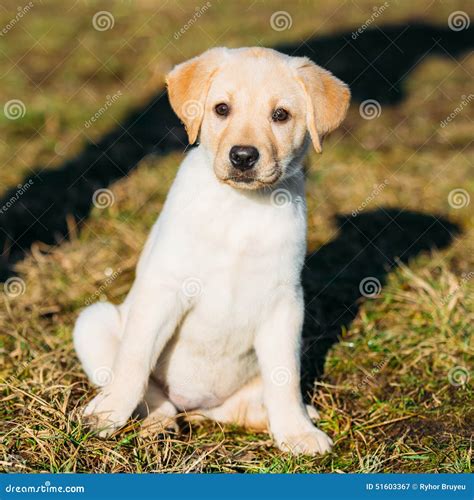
(42, 212)
(366, 247)
(375, 65)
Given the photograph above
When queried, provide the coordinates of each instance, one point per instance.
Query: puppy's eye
(222, 109)
(280, 115)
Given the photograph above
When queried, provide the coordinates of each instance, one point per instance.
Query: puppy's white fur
(216, 310)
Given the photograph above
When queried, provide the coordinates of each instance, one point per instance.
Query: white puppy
(213, 321)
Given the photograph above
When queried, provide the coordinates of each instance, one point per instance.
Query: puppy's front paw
(311, 442)
(105, 415)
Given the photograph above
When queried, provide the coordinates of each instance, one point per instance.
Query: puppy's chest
(240, 253)
(245, 233)
(236, 282)
(239, 264)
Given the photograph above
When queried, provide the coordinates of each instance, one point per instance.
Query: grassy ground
(393, 385)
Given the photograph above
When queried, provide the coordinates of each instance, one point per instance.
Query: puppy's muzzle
(243, 157)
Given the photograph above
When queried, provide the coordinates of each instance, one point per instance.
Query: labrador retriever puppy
(213, 321)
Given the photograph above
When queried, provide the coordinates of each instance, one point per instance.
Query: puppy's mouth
(253, 179)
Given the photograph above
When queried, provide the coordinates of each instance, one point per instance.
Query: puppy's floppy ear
(327, 99)
(188, 84)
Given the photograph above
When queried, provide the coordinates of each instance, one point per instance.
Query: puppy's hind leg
(245, 408)
(96, 338)
(158, 411)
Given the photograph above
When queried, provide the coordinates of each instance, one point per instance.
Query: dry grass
(385, 391)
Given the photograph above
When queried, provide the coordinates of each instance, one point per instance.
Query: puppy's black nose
(243, 157)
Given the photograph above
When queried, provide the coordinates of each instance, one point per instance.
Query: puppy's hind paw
(158, 424)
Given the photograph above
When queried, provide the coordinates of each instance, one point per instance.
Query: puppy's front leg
(278, 350)
(151, 321)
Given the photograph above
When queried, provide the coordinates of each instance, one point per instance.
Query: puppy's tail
(96, 338)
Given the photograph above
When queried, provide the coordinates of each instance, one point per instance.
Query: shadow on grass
(366, 247)
(375, 65)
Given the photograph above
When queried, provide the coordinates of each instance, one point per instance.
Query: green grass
(385, 394)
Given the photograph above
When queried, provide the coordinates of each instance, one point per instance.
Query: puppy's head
(253, 109)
